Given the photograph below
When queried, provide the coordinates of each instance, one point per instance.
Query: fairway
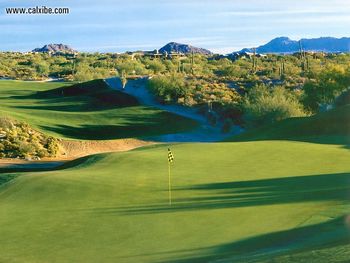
(88, 111)
(233, 202)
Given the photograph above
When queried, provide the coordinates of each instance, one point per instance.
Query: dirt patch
(76, 149)
(71, 150)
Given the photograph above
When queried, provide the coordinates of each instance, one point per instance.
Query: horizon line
(152, 47)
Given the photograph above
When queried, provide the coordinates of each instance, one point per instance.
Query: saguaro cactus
(254, 60)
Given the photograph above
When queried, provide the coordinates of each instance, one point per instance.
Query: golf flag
(170, 160)
(170, 156)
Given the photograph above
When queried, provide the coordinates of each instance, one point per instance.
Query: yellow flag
(170, 156)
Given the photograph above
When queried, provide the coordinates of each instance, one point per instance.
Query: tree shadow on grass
(314, 188)
(132, 127)
(265, 247)
(341, 139)
(88, 96)
(103, 100)
(301, 189)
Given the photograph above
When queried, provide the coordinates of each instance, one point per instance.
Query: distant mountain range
(286, 45)
(183, 48)
(55, 48)
(282, 45)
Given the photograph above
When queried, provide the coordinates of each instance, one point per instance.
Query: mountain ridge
(287, 45)
(55, 48)
(183, 48)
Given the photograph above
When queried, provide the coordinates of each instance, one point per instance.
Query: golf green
(232, 202)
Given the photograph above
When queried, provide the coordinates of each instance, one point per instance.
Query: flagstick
(169, 184)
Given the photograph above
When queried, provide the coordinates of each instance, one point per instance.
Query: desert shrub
(231, 71)
(86, 72)
(131, 67)
(156, 66)
(52, 146)
(328, 85)
(263, 106)
(25, 149)
(192, 91)
(168, 88)
(5, 123)
(42, 153)
(83, 74)
(22, 141)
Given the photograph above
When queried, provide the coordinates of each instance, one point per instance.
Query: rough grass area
(269, 201)
(85, 111)
(331, 127)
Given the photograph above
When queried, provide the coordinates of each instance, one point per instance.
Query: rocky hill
(183, 48)
(287, 45)
(55, 48)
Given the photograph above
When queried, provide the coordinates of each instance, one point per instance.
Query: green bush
(52, 146)
(191, 91)
(328, 85)
(263, 106)
(156, 66)
(26, 149)
(168, 88)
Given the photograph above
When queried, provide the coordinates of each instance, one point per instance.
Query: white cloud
(118, 47)
(280, 13)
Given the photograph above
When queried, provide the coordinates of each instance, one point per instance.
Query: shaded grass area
(88, 96)
(268, 201)
(134, 122)
(4, 178)
(332, 127)
(333, 235)
(326, 187)
(85, 111)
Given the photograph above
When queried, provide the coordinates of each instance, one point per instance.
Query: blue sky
(222, 26)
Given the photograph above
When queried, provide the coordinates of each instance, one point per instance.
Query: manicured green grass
(265, 201)
(84, 111)
(4, 178)
(240, 202)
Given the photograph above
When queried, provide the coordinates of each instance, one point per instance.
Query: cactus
(282, 69)
(254, 60)
(192, 63)
(304, 60)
